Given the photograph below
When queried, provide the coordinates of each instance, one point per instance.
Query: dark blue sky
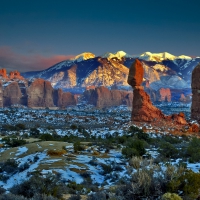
(36, 29)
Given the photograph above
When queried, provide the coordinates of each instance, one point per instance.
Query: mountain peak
(118, 54)
(84, 56)
(161, 56)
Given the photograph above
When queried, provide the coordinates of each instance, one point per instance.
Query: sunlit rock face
(195, 108)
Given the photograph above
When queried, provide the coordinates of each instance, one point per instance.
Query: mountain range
(162, 70)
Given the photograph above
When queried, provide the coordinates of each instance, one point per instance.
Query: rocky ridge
(166, 71)
(16, 90)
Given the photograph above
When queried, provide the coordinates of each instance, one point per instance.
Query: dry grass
(53, 152)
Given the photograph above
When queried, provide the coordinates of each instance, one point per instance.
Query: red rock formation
(142, 109)
(182, 98)
(179, 118)
(63, 99)
(15, 75)
(164, 94)
(102, 97)
(136, 73)
(3, 73)
(195, 108)
(40, 94)
(11, 94)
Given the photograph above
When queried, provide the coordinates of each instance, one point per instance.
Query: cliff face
(103, 97)
(12, 94)
(195, 108)
(40, 94)
(14, 89)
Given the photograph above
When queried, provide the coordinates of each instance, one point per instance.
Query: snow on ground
(21, 150)
(22, 176)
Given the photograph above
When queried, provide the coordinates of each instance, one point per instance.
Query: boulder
(136, 73)
(195, 84)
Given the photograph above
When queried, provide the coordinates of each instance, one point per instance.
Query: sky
(36, 34)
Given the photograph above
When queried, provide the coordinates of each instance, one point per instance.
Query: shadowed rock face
(40, 94)
(195, 108)
(12, 94)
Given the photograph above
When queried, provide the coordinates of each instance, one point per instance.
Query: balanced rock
(195, 108)
(142, 107)
(136, 73)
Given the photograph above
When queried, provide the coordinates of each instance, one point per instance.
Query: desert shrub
(50, 185)
(171, 139)
(11, 197)
(73, 127)
(20, 126)
(134, 148)
(53, 152)
(193, 150)
(135, 162)
(46, 137)
(106, 168)
(43, 197)
(93, 161)
(14, 142)
(170, 196)
(75, 197)
(188, 183)
(2, 190)
(78, 147)
(24, 167)
(74, 187)
(85, 175)
(34, 132)
(10, 166)
(36, 158)
(167, 150)
(98, 196)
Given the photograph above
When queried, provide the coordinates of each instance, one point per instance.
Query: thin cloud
(11, 60)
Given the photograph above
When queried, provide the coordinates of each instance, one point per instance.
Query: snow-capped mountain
(158, 57)
(161, 69)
